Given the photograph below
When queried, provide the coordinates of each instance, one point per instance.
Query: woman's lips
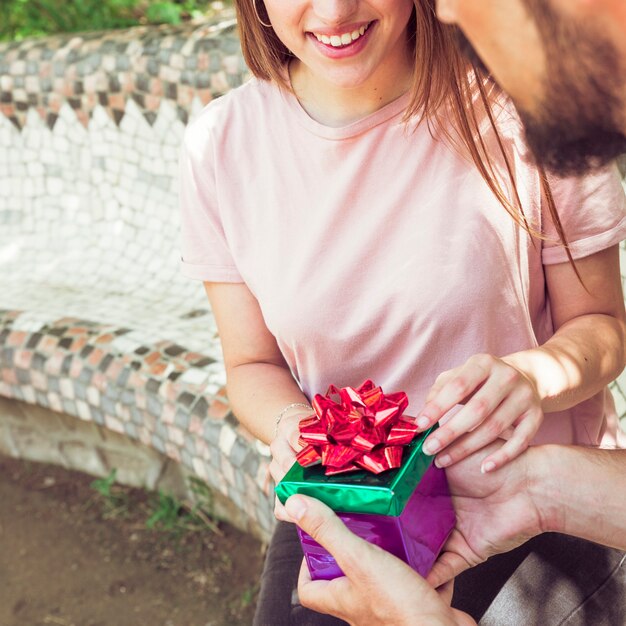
(344, 49)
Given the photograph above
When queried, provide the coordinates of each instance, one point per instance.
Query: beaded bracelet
(293, 405)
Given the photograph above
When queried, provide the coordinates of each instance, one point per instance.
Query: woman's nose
(335, 12)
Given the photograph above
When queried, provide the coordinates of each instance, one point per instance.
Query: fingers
(442, 379)
(322, 596)
(283, 450)
(283, 457)
(445, 592)
(462, 619)
(453, 387)
(496, 425)
(498, 395)
(446, 568)
(329, 531)
(284, 446)
(290, 430)
(457, 556)
(519, 441)
(267, 481)
(280, 512)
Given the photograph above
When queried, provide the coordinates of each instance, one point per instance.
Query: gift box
(401, 502)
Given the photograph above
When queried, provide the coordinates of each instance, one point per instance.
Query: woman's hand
(284, 447)
(500, 402)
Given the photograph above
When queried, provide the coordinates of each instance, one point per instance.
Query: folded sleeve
(205, 252)
(592, 210)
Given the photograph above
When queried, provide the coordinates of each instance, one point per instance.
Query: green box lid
(361, 491)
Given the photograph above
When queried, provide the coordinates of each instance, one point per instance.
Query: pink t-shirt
(378, 252)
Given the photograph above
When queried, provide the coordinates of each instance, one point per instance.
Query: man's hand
(495, 512)
(377, 588)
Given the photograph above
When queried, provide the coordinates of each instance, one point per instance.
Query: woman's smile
(344, 41)
(344, 44)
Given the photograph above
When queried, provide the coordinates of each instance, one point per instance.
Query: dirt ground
(64, 563)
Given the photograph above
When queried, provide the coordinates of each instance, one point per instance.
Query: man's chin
(562, 152)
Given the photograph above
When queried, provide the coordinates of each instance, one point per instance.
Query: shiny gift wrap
(416, 536)
(405, 510)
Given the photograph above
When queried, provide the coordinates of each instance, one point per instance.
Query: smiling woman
(375, 60)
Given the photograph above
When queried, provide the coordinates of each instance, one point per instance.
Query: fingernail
(422, 422)
(487, 467)
(431, 446)
(296, 507)
(443, 460)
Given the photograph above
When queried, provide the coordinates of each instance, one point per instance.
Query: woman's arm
(511, 393)
(587, 350)
(258, 379)
(259, 382)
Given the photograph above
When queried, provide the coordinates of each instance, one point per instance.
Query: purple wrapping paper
(416, 536)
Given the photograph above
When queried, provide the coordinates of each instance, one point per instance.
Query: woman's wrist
(548, 375)
(295, 408)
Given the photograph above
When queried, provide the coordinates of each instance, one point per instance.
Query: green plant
(203, 496)
(249, 594)
(167, 513)
(175, 11)
(31, 18)
(176, 517)
(164, 511)
(114, 499)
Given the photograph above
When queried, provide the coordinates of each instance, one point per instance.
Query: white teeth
(341, 40)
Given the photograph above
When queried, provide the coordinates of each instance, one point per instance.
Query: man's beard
(578, 123)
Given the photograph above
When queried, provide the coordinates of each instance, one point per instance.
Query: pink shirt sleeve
(592, 210)
(205, 252)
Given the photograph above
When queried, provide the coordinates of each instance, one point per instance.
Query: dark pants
(552, 579)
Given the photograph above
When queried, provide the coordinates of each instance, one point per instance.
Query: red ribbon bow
(363, 429)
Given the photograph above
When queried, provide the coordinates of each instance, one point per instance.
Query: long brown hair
(453, 95)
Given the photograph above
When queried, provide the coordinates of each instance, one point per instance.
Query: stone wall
(35, 433)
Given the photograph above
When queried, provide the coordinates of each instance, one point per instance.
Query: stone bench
(96, 321)
(108, 357)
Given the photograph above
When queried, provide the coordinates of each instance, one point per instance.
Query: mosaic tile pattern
(147, 64)
(95, 319)
(160, 393)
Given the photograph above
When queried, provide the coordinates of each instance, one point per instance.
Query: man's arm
(582, 492)
(567, 489)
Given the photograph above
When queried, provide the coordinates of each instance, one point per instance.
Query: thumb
(446, 568)
(319, 521)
